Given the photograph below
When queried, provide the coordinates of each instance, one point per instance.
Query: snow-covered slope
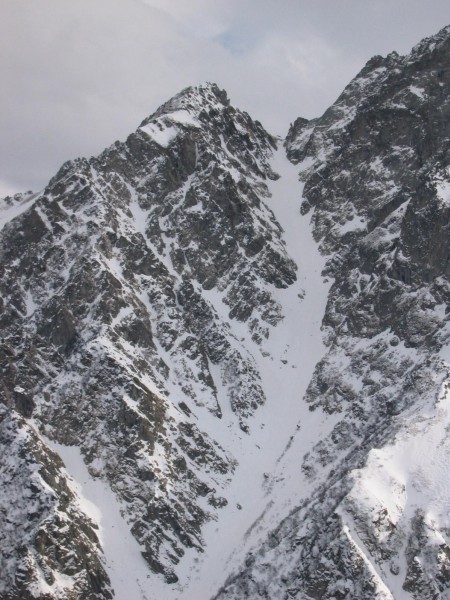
(224, 358)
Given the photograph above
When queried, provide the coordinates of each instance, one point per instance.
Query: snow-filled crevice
(128, 571)
(268, 480)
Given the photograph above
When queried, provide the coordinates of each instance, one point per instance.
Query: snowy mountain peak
(207, 335)
(163, 268)
(194, 99)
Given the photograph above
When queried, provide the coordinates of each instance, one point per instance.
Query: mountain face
(224, 356)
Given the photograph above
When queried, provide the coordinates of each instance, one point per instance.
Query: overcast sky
(75, 75)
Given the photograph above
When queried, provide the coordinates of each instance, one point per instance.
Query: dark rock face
(376, 173)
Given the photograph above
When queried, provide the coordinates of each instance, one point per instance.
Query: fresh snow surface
(417, 91)
(164, 129)
(162, 134)
(183, 117)
(355, 224)
(443, 188)
(268, 478)
(407, 476)
(123, 561)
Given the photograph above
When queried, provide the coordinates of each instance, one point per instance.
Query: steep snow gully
(263, 486)
(267, 478)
